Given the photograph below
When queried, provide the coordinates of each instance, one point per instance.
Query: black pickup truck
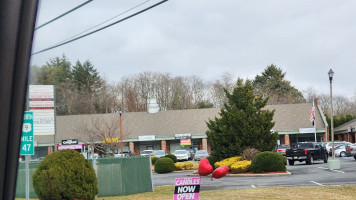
(306, 151)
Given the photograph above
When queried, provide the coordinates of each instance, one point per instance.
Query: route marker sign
(27, 142)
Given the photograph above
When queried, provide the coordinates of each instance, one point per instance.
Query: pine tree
(242, 124)
(272, 83)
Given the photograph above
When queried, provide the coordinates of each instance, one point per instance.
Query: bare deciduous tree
(103, 133)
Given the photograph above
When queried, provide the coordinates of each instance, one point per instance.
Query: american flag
(312, 116)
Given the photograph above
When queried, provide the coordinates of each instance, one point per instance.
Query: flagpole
(314, 122)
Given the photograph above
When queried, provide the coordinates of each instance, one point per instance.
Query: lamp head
(331, 74)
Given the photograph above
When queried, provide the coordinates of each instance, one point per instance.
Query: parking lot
(317, 174)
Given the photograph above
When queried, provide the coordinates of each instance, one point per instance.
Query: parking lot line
(323, 168)
(317, 183)
(337, 171)
(334, 170)
(253, 186)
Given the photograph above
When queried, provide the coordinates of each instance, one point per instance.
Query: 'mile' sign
(187, 188)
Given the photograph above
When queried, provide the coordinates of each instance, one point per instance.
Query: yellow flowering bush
(184, 165)
(188, 165)
(241, 166)
(179, 166)
(228, 162)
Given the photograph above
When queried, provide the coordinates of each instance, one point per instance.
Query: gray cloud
(206, 38)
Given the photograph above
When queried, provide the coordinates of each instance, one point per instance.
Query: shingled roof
(343, 128)
(165, 124)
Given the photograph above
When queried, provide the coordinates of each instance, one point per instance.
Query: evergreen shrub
(154, 159)
(164, 165)
(241, 166)
(171, 156)
(65, 174)
(268, 162)
(212, 160)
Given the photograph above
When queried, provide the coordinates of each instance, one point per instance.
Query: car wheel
(291, 162)
(355, 157)
(310, 160)
(326, 158)
(343, 154)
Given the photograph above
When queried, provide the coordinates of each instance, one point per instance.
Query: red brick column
(163, 145)
(131, 147)
(286, 139)
(204, 143)
(346, 137)
(49, 150)
(325, 137)
(136, 149)
(168, 147)
(282, 139)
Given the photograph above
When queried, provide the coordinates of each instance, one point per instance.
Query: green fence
(116, 176)
(123, 176)
(21, 180)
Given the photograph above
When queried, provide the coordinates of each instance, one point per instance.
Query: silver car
(352, 150)
(200, 154)
(159, 153)
(181, 154)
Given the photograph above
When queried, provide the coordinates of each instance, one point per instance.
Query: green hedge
(268, 162)
(171, 156)
(154, 159)
(164, 165)
(212, 160)
(65, 174)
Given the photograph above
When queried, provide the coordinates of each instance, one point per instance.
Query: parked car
(306, 151)
(352, 150)
(159, 153)
(342, 150)
(281, 149)
(199, 154)
(328, 146)
(146, 152)
(190, 155)
(181, 154)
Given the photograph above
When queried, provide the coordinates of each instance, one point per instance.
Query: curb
(287, 173)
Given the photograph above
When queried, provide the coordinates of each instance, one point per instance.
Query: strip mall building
(171, 130)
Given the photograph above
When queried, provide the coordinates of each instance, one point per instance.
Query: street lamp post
(331, 74)
(122, 153)
(332, 164)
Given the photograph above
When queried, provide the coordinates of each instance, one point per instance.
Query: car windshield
(201, 152)
(180, 152)
(304, 145)
(283, 147)
(158, 152)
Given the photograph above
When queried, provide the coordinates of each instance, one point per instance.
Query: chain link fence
(21, 179)
(124, 176)
(116, 176)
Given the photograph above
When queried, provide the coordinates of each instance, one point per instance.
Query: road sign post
(27, 146)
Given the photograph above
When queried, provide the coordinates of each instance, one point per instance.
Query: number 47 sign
(27, 146)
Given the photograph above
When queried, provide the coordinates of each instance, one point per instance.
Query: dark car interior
(17, 22)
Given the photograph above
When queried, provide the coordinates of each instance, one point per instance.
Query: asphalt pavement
(317, 174)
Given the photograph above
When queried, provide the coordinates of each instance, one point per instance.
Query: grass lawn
(276, 193)
(282, 193)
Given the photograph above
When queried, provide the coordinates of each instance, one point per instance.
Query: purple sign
(77, 146)
(186, 188)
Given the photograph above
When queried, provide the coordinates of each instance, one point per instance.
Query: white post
(27, 171)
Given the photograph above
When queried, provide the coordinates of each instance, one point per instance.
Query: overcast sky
(209, 37)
